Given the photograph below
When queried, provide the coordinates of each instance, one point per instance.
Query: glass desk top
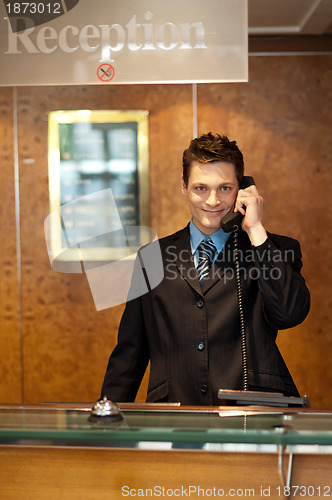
(164, 427)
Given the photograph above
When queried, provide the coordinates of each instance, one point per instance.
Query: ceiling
(290, 25)
(291, 17)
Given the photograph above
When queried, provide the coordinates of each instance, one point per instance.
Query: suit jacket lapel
(223, 264)
(184, 259)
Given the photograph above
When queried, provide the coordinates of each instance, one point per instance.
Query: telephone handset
(232, 219)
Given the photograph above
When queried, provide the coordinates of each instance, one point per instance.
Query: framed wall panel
(98, 184)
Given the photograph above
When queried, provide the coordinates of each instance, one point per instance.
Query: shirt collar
(219, 238)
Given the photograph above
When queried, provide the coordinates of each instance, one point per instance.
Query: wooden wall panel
(66, 341)
(282, 122)
(10, 346)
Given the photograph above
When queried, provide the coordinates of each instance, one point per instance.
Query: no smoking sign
(105, 72)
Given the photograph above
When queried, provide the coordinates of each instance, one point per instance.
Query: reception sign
(115, 42)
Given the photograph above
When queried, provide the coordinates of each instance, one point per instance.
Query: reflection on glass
(104, 154)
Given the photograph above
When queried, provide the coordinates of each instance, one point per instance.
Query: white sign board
(110, 42)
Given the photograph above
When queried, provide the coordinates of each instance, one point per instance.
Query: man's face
(212, 190)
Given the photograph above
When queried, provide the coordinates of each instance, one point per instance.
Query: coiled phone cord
(240, 303)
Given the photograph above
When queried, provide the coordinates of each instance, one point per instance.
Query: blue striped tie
(206, 253)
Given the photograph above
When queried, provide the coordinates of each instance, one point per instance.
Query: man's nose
(213, 199)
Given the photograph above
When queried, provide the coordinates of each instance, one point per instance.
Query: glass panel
(71, 426)
(124, 42)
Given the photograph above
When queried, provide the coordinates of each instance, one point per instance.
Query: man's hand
(253, 213)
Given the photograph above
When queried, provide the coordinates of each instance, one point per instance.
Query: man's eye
(225, 188)
(200, 188)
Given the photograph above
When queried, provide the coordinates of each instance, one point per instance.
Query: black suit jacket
(191, 333)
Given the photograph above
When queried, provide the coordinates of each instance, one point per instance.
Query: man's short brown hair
(210, 147)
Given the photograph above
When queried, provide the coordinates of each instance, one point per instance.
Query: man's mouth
(214, 212)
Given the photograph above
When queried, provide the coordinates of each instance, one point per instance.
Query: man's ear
(184, 188)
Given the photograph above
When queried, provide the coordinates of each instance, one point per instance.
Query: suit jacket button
(204, 388)
(200, 346)
(200, 303)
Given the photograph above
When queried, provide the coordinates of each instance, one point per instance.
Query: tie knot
(206, 250)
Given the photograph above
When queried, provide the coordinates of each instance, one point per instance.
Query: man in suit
(188, 326)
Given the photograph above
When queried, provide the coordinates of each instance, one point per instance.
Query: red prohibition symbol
(105, 72)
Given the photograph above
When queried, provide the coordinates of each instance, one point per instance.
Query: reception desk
(54, 452)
